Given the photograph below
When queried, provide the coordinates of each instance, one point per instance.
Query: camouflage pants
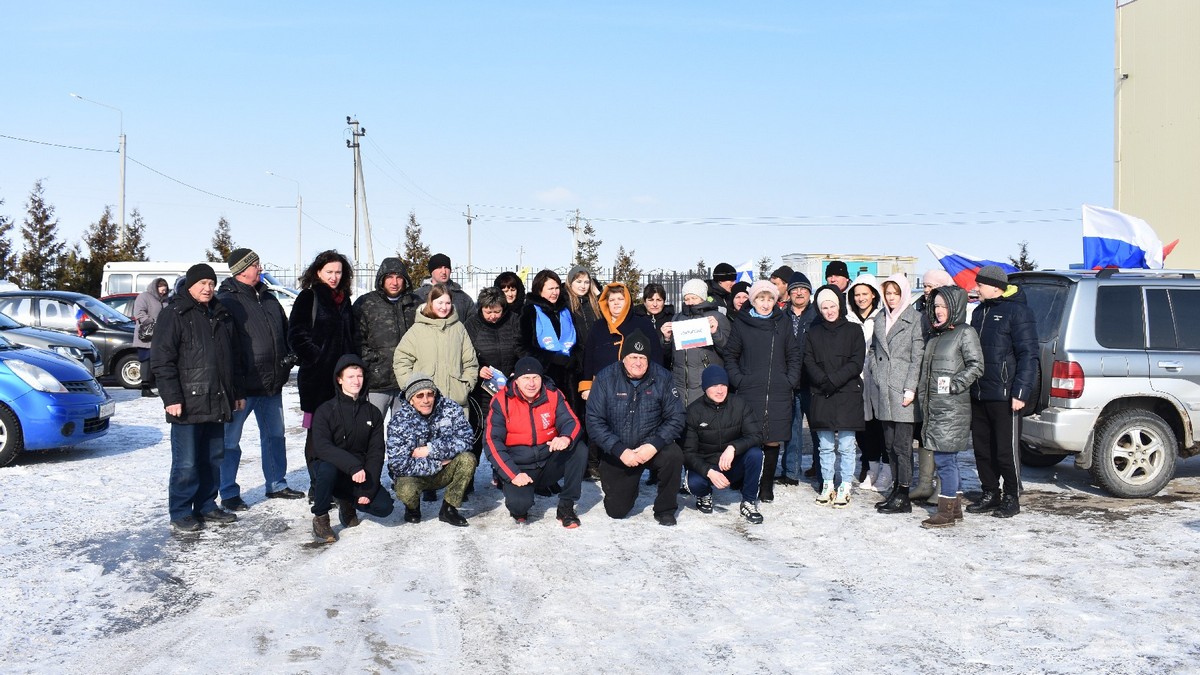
(455, 477)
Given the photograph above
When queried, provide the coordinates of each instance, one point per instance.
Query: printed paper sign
(691, 333)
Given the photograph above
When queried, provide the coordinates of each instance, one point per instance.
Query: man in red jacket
(532, 438)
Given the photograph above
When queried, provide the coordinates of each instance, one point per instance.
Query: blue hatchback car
(47, 401)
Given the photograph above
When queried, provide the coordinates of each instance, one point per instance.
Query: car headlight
(36, 377)
(69, 352)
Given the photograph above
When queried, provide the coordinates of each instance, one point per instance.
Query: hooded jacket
(1008, 336)
(441, 348)
(894, 359)
(604, 341)
(462, 302)
(518, 431)
(952, 353)
(711, 427)
(688, 364)
(320, 331)
(348, 433)
(382, 323)
(195, 360)
(833, 358)
(852, 315)
(261, 328)
(446, 432)
(146, 307)
(764, 365)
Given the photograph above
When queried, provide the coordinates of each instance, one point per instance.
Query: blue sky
(684, 130)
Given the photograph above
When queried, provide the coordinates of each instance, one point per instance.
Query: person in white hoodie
(865, 303)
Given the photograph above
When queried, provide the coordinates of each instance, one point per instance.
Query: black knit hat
(197, 273)
(838, 268)
(636, 343)
(713, 375)
(438, 260)
(527, 365)
(782, 272)
(740, 287)
(724, 272)
(798, 280)
(240, 259)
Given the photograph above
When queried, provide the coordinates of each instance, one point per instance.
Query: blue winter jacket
(623, 414)
(1008, 337)
(446, 432)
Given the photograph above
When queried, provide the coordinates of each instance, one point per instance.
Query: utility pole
(469, 218)
(574, 228)
(520, 257)
(121, 150)
(360, 191)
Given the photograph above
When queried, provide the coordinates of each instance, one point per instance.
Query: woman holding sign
(698, 318)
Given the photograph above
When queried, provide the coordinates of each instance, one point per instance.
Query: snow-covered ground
(92, 580)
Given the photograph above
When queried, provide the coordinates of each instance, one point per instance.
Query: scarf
(891, 316)
(546, 337)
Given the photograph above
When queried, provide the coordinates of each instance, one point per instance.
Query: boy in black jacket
(721, 445)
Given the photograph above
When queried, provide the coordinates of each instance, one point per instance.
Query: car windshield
(8, 323)
(103, 312)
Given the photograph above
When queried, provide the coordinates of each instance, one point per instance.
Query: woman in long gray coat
(953, 360)
(146, 308)
(893, 368)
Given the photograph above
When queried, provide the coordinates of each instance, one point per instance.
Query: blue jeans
(268, 413)
(793, 451)
(947, 471)
(841, 469)
(196, 451)
(747, 467)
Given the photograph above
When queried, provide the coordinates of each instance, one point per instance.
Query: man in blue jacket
(635, 416)
(1008, 336)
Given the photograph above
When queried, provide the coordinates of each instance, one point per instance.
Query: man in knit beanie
(721, 286)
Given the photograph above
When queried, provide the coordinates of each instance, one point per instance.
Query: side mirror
(87, 327)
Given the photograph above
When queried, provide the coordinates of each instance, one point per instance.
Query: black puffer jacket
(711, 427)
(262, 330)
(764, 366)
(1008, 336)
(834, 357)
(381, 323)
(463, 304)
(722, 298)
(496, 344)
(953, 353)
(349, 433)
(557, 365)
(319, 338)
(195, 357)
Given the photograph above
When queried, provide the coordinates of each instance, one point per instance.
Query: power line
(53, 145)
(210, 194)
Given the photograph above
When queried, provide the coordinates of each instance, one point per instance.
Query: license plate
(107, 409)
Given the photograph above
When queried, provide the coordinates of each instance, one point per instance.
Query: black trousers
(996, 436)
(569, 465)
(871, 442)
(331, 482)
(621, 483)
(897, 437)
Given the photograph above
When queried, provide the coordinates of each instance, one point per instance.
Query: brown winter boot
(347, 514)
(958, 500)
(944, 516)
(322, 530)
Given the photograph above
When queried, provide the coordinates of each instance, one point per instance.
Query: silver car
(70, 346)
(1120, 374)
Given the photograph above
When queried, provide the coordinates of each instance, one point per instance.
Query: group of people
(575, 381)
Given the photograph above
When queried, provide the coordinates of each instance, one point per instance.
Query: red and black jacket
(518, 431)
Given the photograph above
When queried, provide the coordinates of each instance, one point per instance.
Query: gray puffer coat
(894, 364)
(952, 353)
(688, 364)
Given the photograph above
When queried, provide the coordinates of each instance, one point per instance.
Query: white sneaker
(826, 495)
(883, 482)
(842, 498)
(870, 482)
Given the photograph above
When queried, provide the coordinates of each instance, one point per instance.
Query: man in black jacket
(635, 416)
(721, 445)
(261, 329)
(439, 273)
(194, 356)
(721, 285)
(348, 447)
(383, 317)
(1008, 337)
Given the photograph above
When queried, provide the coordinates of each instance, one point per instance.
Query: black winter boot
(1009, 506)
(990, 501)
(891, 494)
(898, 503)
(347, 513)
(766, 488)
(450, 515)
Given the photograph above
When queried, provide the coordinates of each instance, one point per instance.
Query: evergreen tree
(626, 271)
(416, 253)
(764, 267)
(222, 242)
(1023, 262)
(701, 270)
(134, 248)
(588, 252)
(37, 267)
(73, 273)
(88, 270)
(8, 259)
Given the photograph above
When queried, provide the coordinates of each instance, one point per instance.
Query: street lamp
(299, 217)
(121, 205)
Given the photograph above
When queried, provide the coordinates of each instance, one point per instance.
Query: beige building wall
(1157, 154)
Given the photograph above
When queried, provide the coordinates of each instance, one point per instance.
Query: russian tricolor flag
(963, 267)
(1115, 239)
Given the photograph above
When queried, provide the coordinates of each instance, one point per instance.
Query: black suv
(108, 330)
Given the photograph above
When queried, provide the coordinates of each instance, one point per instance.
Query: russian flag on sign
(1115, 239)
(963, 267)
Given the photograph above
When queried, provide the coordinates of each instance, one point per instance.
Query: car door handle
(1170, 365)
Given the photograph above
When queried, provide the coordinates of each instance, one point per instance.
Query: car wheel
(1134, 454)
(1035, 458)
(12, 441)
(129, 371)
